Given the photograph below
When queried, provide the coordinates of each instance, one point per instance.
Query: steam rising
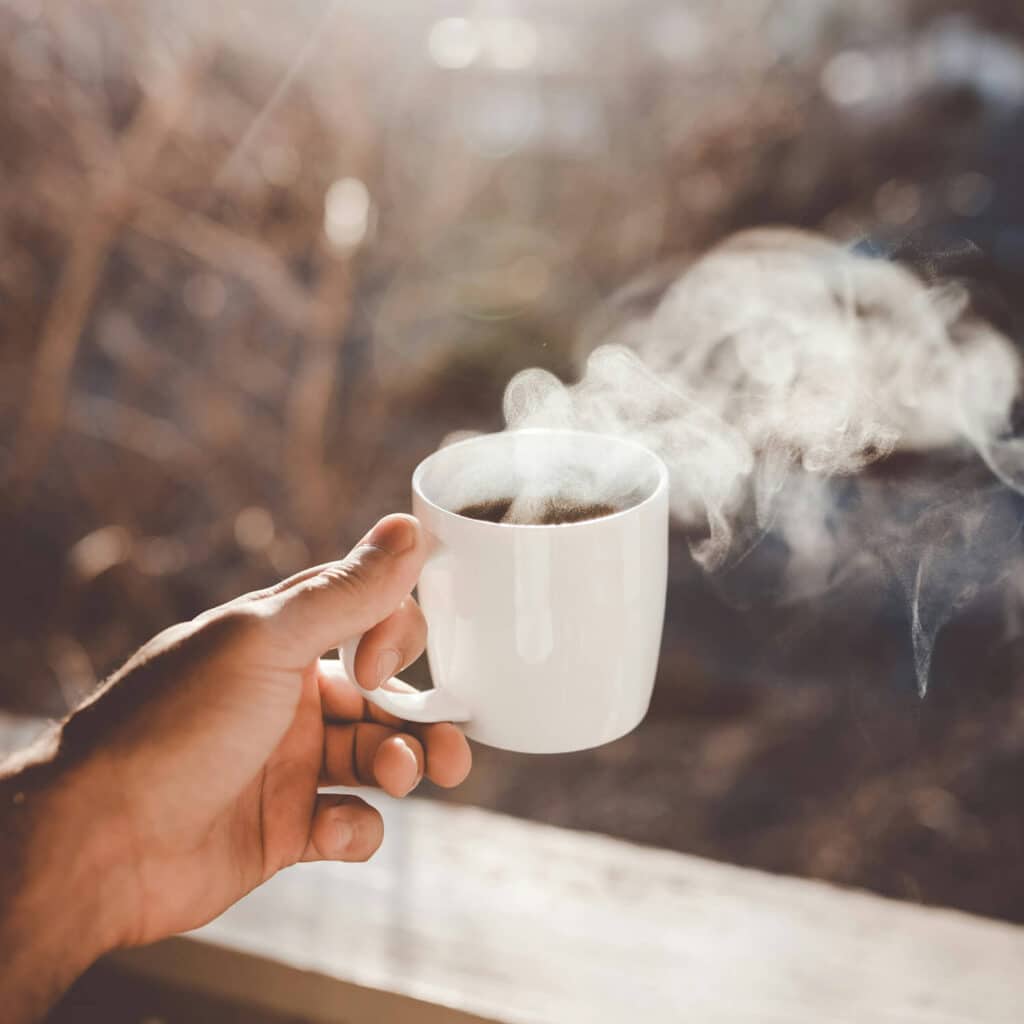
(781, 361)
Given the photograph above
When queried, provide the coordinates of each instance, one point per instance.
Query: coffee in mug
(550, 512)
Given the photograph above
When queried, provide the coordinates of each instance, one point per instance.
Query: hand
(194, 771)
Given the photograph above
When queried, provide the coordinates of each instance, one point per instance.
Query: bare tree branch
(83, 268)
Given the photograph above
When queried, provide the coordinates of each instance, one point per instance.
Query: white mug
(541, 638)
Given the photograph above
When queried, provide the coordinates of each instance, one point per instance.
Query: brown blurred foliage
(259, 260)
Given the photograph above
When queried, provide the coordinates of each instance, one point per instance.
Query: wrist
(63, 898)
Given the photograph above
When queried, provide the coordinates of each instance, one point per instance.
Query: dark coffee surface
(551, 513)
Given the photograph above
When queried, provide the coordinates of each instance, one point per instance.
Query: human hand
(194, 771)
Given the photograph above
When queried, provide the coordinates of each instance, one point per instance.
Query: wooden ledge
(509, 921)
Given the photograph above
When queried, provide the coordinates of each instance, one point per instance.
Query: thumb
(344, 599)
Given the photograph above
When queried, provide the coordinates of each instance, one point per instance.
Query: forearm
(56, 898)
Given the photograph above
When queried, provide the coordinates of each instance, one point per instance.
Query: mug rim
(660, 487)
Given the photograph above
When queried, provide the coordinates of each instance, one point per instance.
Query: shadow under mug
(541, 638)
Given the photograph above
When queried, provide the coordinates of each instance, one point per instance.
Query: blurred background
(258, 260)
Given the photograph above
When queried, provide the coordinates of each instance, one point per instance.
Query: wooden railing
(465, 915)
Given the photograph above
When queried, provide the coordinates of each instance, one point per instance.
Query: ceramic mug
(541, 638)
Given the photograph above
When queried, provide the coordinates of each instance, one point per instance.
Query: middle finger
(370, 754)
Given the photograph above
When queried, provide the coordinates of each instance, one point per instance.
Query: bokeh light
(347, 213)
(454, 43)
(849, 78)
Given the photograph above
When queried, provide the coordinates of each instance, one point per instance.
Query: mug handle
(423, 706)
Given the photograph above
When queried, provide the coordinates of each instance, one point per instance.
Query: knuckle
(236, 626)
(344, 577)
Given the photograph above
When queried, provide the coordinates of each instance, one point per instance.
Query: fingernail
(388, 663)
(395, 535)
(415, 763)
(344, 833)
